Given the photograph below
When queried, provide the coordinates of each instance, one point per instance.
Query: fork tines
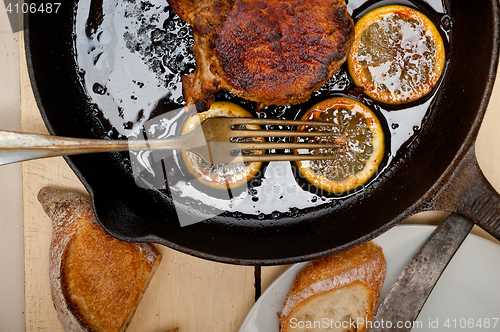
(275, 122)
(278, 145)
(276, 133)
(280, 157)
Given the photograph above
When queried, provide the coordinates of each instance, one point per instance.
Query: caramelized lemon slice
(221, 176)
(361, 145)
(398, 54)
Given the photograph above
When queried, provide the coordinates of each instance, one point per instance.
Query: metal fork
(215, 141)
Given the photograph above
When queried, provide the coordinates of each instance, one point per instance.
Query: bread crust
(85, 261)
(365, 264)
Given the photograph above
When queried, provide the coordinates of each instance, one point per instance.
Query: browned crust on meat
(203, 15)
(200, 86)
(269, 51)
(280, 52)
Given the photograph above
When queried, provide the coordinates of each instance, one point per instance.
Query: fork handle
(16, 147)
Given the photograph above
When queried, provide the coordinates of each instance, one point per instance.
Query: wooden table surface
(186, 292)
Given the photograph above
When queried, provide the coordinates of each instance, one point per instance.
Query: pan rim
(466, 145)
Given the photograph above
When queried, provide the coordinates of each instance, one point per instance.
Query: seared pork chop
(274, 52)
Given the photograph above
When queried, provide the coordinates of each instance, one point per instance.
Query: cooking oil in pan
(129, 65)
(132, 55)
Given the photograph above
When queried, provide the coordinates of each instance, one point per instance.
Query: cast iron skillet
(438, 171)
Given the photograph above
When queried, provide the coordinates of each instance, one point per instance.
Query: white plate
(466, 297)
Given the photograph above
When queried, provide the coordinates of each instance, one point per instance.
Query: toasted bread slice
(96, 280)
(336, 293)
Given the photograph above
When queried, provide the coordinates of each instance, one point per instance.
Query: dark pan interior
(135, 214)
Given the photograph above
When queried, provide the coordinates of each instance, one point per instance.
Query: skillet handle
(469, 194)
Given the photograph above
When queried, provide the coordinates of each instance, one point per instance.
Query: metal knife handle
(407, 296)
